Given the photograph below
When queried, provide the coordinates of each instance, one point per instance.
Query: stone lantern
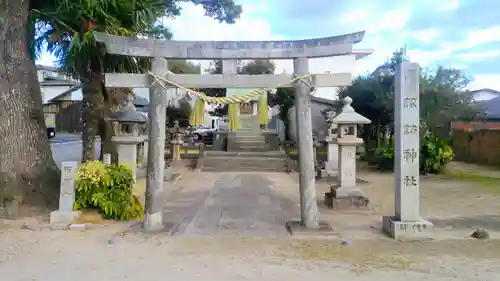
(332, 162)
(128, 133)
(347, 140)
(176, 142)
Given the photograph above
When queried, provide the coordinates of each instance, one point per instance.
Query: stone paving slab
(241, 204)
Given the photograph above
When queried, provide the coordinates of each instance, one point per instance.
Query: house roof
(47, 67)
(57, 82)
(491, 108)
(138, 101)
(67, 92)
(361, 53)
(486, 90)
(323, 100)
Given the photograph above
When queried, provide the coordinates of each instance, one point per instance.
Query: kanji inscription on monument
(407, 134)
(410, 154)
(406, 222)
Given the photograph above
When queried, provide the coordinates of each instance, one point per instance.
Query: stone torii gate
(229, 52)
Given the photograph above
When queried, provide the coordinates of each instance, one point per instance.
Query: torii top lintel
(212, 50)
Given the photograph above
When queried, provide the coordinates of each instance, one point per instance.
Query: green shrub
(435, 153)
(385, 157)
(107, 189)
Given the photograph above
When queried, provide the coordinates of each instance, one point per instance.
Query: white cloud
(476, 56)
(395, 19)
(491, 81)
(450, 5)
(481, 36)
(425, 35)
(427, 58)
(355, 17)
(474, 38)
(253, 25)
(192, 24)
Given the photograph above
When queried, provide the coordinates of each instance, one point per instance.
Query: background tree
(284, 99)
(256, 67)
(28, 172)
(219, 110)
(248, 68)
(442, 100)
(68, 34)
(182, 110)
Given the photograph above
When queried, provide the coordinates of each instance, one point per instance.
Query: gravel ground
(29, 250)
(104, 254)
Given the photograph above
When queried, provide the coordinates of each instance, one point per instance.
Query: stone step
(241, 154)
(246, 139)
(240, 133)
(246, 142)
(243, 164)
(249, 149)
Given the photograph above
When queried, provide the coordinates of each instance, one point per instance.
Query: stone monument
(406, 222)
(128, 136)
(159, 79)
(64, 216)
(347, 191)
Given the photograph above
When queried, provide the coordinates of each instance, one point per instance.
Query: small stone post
(156, 150)
(407, 223)
(106, 159)
(145, 151)
(308, 204)
(64, 216)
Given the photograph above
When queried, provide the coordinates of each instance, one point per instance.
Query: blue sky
(463, 34)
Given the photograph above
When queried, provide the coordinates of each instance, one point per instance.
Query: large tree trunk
(106, 132)
(97, 107)
(28, 173)
(93, 104)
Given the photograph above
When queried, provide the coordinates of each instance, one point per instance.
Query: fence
(480, 146)
(67, 115)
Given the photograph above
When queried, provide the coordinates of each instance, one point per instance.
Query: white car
(203, 134)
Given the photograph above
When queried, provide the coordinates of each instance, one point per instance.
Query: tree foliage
(253, 67)
(443, 98)
(219, 109)
(256, 67)
(65, 28)
(183, 67)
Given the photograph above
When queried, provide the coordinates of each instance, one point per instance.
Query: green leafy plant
(107, 189)
(435, 153)
(385, 157)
